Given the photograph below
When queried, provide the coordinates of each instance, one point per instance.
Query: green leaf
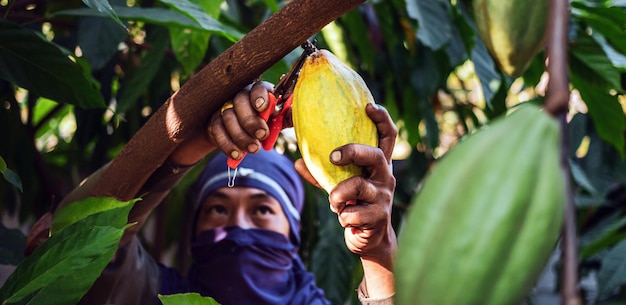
(589, 60)
(601, 236)
(612, 273)
(609, 21)
(141, 78)
(10, 176)
(187, 299)
(196, 13)
(13, 178)
(159, 16)
(434, 23)
(605, 110)
(31, 62)
(79, 210)
(63, 268)
(98, 39)
(331, 262)
(103, 6)
(12, 244)
(190, 46)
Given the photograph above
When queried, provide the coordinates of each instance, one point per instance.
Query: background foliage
(78, 79)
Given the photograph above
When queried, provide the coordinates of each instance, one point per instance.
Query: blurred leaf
(190, 46)
(140, 78)
(434, 24)
(12, 245)
(485, 69)
(272, 5)
(196, 13)
(158, 16)
(98, 39)
(603, 235)
(605, 110)
(609, 21)
(31, 62)
(103, 6)
(186, 299)
(581, 178)
(589, 58)
(331, 262)
(63, 268)
(612, 273)
(10, 176)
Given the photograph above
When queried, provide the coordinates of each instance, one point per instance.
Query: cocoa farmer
(246, 236)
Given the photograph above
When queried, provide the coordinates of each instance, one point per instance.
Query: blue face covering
(254, 265)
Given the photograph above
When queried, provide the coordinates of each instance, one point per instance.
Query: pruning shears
(280, 103)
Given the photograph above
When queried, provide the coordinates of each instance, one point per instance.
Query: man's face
(245, 207)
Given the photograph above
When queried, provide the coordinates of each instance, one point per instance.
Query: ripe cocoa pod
(488, 217)
(328, 111)
(513, 31)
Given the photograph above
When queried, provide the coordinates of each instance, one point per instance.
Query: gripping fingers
(387, 130)
(247, 116)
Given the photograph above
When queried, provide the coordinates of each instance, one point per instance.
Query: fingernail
(253, 148)
(260, 134)
(335, 156)
(234, 154)
(258, 103)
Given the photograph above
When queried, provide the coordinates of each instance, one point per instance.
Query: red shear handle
(275, 125)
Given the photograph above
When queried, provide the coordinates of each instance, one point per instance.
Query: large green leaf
(80, 210)
(61, 270)
(187, 299)
(31, 62)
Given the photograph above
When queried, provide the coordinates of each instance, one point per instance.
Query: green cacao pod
(513, 31)
(329, 111)
(488, 217)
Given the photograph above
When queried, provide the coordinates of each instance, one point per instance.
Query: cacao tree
(79, 79)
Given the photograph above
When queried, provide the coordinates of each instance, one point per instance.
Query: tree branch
(207, 91)
(556, 104)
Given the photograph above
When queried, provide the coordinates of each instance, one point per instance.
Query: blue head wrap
(266, 170)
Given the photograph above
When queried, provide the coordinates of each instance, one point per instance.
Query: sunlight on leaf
(61, 270)
(104, 7)
(186, 299)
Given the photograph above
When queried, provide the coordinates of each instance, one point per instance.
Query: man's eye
(216, 209)
(263, 210)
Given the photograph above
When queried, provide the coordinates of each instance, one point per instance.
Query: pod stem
(556, 104)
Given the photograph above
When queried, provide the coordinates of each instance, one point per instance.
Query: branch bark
(557, 101)
(207, 91)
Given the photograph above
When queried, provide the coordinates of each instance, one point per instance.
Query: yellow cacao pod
(513, 31)
(328, 111)
(483, 227)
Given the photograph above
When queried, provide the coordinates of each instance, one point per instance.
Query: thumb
(305, 173)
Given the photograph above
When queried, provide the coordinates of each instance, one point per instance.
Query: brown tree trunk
(208, 90)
